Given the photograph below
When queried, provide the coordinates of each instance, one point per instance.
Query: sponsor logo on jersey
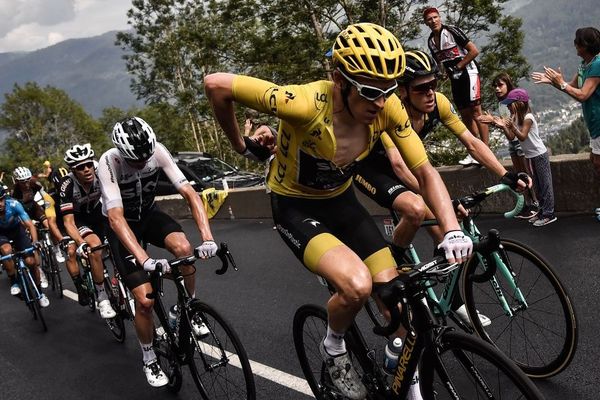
(403, 131)
(289, 96)
(312, 222)
(370, 188)
(320, 99)
(394, 188)
(273, 100)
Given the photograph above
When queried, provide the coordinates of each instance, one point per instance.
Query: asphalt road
(77, 357)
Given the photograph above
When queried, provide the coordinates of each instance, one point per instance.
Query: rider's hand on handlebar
(517, 181)
(83, 249)
(207, 249)
(152, 264)
(457, 247)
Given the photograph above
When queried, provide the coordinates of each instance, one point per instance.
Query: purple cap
(516, 95)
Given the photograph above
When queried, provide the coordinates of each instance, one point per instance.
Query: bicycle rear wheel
(90, 288)
(463, 366)
(219, 365)
(541, 335)
(309, 329)
(116, 325)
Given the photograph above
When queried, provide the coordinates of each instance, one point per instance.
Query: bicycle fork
(25, 274)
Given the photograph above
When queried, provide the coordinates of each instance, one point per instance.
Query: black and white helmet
(134, 138)
(21, 174)
(78, 154)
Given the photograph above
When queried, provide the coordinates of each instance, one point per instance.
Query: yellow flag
(213, 200)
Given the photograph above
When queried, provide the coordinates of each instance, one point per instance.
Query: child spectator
(522, 125)
(502, 85)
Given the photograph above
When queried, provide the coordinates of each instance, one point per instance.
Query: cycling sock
(414, 393)
(147, 352)
(101, 292)
(334, 342)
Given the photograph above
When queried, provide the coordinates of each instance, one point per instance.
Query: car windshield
(211, 169)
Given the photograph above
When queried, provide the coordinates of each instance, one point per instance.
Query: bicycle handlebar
(223, 253)
(393, 292)
(21, 253)
(472, 200)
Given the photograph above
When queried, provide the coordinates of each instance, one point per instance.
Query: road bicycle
(533, 320)
(48, 262)
(30, 293)
(112, 288)
(452, 364)
(217, 361)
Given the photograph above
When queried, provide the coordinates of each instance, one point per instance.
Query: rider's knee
(145, 305)
(181, 248)
(413, 211)
(357, 290)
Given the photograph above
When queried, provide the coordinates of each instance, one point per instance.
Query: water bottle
(392, 351)
(173, 314)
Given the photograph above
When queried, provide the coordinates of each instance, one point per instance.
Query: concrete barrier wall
(576, 190)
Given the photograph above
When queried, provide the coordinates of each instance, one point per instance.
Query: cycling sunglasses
(81, 167)
(425, 87)
(370, 93)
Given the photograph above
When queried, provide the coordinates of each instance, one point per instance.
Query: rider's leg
(144, 325)
(352, 281)
(412, 210)
(178, 245)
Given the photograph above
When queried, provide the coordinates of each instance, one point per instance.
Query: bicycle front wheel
(57, 284)
(34, 304)
(541, 335)
(219, 365)
(466, 367)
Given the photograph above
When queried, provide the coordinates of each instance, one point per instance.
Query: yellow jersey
(306, 145)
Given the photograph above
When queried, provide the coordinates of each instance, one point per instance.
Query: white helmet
(134, 138)
(78, 154)
(21, 174)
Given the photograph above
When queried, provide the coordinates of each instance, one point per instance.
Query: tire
(57, 284)
(219, 364)
(116, 325)
(35, 305)
(168, 362)
(89, 284)
(309, 329)
(467, 361)
(540, 338)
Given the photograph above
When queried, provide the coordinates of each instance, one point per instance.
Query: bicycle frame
(24, 275)
(442, 304)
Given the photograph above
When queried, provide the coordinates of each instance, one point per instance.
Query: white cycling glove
(151, 264)
(207, 249)
(456, 246)
(82, 249)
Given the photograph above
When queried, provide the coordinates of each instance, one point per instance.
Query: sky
(34, 24)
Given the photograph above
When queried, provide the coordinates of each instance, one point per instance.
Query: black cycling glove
(511, 178)
(255, 151)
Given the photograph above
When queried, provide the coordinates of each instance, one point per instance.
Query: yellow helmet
(369, 50)
(46, 163)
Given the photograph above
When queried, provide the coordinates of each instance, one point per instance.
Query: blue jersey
(13, 215)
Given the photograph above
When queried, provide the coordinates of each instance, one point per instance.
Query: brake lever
(226, 258)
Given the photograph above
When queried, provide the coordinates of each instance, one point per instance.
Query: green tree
(41, 124)
(573, 139)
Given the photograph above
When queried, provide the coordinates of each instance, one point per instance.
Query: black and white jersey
(74, 199)
(451, 48)
(134, 189)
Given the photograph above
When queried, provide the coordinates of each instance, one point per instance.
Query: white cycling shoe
(154, 374)
(43, 280)
(461, 313)
(199, 327)
(44, 301)
(15, 289)
(106, 311)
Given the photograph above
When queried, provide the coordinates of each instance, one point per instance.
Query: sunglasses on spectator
(425, 87)
(83, 166)
(370, 93)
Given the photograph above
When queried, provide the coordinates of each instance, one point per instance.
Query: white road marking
(258, 369)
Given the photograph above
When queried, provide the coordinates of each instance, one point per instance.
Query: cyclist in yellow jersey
(325, 128)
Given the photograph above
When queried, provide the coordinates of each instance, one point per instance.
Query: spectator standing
(523, 126)
(456, 53)
(583, 87)
(502, 85)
